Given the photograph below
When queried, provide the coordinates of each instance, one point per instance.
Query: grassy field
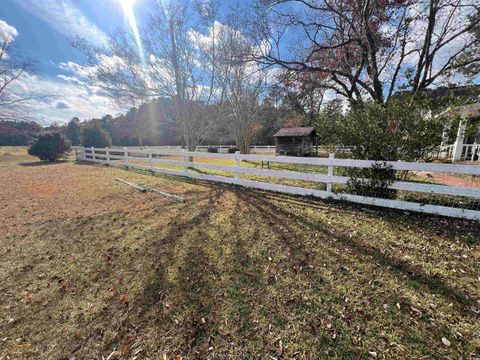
(91, 268)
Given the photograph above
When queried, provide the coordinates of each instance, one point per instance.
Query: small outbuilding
(295, 141)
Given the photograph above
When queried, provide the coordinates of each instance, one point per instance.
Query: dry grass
(91, 268)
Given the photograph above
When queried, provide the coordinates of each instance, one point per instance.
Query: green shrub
(50, 147)
(373, 181)
(404, 129)
(401, 130)
(93, 135)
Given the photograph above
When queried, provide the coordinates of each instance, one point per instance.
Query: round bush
(50, 147)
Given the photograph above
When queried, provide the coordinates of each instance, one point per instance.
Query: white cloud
(7, 33)
(71, 79)
(66, 18)
(62, 98)
(76, 69)
(204, 41)
(84, 72)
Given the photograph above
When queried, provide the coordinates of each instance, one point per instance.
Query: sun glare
(129, 13)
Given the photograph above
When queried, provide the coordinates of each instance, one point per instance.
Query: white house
(464, 147)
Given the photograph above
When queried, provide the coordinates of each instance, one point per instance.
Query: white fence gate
(181, 163)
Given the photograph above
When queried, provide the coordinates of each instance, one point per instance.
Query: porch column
(458, 145)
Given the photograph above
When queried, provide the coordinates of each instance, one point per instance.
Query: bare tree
(472, 56)
(365, 49)
(304, 93)
(172, 64)
(12, 67)
(242, 86)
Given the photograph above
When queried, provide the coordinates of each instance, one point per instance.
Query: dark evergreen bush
(50, 147)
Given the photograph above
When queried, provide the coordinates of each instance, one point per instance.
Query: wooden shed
(295, 141)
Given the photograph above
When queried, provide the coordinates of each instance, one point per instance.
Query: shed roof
(295, 131)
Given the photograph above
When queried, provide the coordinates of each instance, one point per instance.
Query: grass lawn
(91, 268)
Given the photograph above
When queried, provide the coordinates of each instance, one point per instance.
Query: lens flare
(129, 13)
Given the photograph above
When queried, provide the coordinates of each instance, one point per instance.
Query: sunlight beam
(128, 11)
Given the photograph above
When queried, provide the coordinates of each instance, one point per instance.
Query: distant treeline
(151, 124)
(18, 133)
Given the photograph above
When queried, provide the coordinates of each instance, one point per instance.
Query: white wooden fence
(150, 159)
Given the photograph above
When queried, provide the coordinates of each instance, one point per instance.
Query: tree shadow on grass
(191, 283)
(414, 278)
(290, 301)
(467, 230)
(43, 163)
(168, 242)
(453, 227)
(82, 163)
(415, 274)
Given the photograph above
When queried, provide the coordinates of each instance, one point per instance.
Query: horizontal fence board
(413, 206)
(436, 189)
(401, 165)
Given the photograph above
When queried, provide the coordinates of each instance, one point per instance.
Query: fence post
(330, 173)
(92, 149)
(185, 163)
(237, 164)
(125, 154)
(150, 158)
(107, 153)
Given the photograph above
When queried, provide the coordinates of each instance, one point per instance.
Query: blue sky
(43, 29)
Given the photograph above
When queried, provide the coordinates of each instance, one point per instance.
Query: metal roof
(295, 131)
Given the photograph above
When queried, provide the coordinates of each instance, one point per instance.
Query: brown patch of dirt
(453, 180)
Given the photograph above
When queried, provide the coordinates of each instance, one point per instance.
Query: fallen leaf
(445, 341)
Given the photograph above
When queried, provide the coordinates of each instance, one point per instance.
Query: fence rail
(181, 163)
